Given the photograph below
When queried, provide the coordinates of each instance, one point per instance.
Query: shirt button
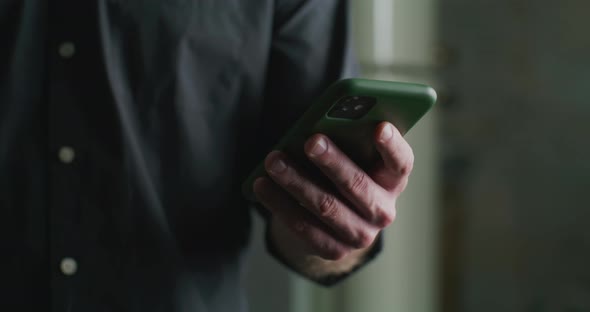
(66, 154)
(68, 266)
(67, 49)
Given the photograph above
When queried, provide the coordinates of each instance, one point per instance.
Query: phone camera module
(352, 107)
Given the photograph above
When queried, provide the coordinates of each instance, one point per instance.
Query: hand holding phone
(334, 178)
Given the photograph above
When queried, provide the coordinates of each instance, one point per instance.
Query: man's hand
(335, 228)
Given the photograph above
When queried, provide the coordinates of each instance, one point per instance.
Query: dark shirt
(126, 128)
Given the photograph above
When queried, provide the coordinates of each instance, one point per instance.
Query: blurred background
(497, 214)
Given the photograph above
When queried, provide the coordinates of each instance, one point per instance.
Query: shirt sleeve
(311, 49)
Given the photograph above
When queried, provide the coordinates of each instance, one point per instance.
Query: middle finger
(332, 211)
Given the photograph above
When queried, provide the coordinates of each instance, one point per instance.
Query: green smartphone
(348, 112)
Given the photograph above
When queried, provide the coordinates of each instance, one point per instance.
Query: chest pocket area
(172, 42)
(211, 27)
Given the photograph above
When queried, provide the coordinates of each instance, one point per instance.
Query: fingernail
(319, 147)
(277, 166)
(386, 133)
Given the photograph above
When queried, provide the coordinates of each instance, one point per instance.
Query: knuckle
(364, 239)
(328, 207)
(372, 206)
(358, 183)
(407, 164)
(376, 212)
(384, 217)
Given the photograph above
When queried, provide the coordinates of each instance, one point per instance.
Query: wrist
(293, 252)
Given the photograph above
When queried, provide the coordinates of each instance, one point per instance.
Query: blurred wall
(517, 173)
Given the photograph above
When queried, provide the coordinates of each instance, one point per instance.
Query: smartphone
(348, 113)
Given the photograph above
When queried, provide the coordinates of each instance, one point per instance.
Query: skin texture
(322, 232)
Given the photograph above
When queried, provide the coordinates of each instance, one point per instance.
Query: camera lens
(352, 107)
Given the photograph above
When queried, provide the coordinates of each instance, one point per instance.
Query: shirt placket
(66, 147)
